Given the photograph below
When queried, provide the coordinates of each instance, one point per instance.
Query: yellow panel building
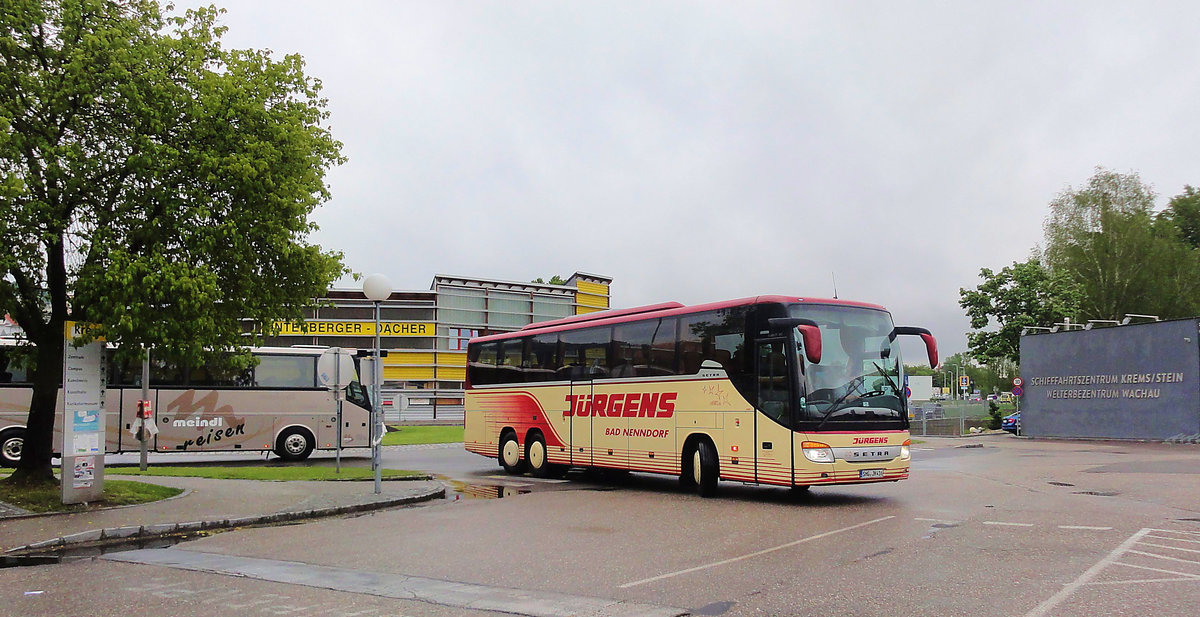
(425, 332)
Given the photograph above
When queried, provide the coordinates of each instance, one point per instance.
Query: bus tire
(686, 478)
(535, 457)
(294, 444)
(705, 469)
(12, 443)
(510, 454)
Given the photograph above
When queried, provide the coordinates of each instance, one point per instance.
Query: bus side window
(662, 348)
(481, 361)
(542, 361)
(716, 335)
(695, 341)
(165, 373)
(586, 353)
(508, 366)
(12, 367)
(286, 372)
(631, 343)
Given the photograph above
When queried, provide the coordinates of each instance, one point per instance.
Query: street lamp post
(377, 288)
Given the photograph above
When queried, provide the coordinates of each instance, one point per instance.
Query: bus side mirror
(930, 342)
(811, 335)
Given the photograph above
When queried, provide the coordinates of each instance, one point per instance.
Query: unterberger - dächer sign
(354, 328)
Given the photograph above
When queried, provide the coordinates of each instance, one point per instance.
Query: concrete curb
(110, 536)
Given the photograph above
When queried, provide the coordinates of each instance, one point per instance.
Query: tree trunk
(35, 467)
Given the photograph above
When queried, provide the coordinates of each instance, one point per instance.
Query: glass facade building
(425, 332)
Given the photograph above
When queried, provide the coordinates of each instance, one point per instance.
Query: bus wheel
(510, 454)
(705, 469)
(535, 457)
(11, 444)
(294, 444)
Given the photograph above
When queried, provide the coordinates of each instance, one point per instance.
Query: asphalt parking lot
(994, 525)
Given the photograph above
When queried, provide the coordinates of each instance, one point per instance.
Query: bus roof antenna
(834, 275)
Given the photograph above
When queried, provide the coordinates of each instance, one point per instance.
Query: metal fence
(947, 418)
(398, 407)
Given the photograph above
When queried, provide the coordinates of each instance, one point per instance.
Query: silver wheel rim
(295, 444)
(696, 466)
(512, 453)
(12, 448)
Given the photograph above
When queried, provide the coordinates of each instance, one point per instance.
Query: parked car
(1011, 423)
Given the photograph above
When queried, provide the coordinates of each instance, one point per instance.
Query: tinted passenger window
(12, 367)
(219, 377)
(714, 335)
(286, 372)
(481, 362)
(508, 366)
(585, 353)
(542, 359)
(631, 348)
(662, 348)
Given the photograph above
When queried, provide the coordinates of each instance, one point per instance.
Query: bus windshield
(859, 377)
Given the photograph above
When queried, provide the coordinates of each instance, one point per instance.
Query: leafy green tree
(153, 182)
(554, 280)
(1104, 238)
(1182, 216)
(1018, 296)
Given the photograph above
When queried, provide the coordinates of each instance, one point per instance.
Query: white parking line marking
(1069, 589)
(1085, 527)
(936, 520)
(1157, 556)
(749, 555)
(1174, 539)
(1174, 548)
(1008, 524)
(1187, 575)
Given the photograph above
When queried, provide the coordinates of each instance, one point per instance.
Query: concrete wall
(1139, 381)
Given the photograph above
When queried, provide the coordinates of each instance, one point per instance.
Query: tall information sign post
(84, 383)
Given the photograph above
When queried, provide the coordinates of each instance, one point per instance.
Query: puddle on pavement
(465, 490)
(71, 553)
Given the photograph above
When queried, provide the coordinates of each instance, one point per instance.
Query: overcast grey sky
(700, 151)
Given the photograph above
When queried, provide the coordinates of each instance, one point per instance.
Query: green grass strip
(116, 493)
(408, 435)
(265, 472)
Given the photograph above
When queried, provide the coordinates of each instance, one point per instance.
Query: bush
(993, 415)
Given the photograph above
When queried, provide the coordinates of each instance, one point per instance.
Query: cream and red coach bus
(774, 390)
(279, 405)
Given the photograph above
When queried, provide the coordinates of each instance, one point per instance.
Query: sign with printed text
(354, 328)
(84, 386)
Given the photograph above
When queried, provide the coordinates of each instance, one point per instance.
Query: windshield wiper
(834, 405)
(891, 383)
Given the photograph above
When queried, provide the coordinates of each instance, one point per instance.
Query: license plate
(870, 473)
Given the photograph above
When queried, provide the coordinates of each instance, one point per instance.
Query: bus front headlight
(904, 449)
(817, 452)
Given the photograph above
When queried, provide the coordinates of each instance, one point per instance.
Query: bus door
(773, 433)
(581, 421)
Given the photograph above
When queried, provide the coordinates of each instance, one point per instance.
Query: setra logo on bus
(632, 405)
